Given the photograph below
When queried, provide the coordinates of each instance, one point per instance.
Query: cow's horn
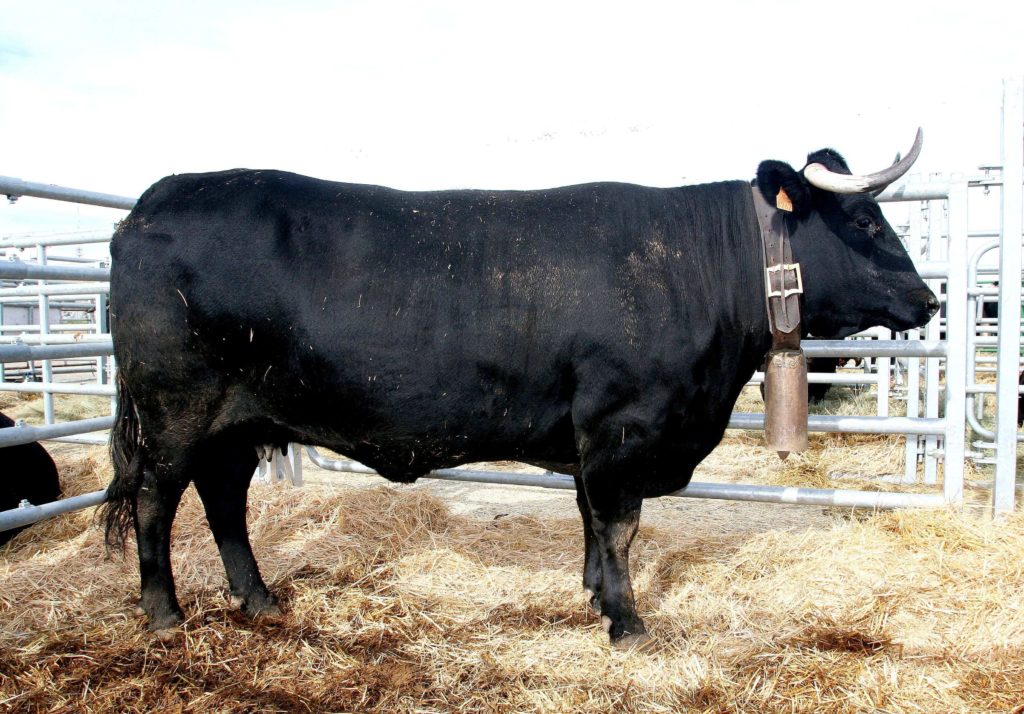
(821, 177)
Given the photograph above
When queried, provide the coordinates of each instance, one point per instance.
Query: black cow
(27, 473)
(602, 330)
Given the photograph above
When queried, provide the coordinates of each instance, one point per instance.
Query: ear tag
(783, 202)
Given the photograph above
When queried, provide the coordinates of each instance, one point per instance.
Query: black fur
(830, 159)
(26, 472)
(118, 512)
(774, 175)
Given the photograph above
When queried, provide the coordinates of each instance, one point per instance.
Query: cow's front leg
(156, 503)
(592, 570)
(614, 520)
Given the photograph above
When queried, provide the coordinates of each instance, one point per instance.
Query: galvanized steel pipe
(19, 517)
(32, 353)
(53, 240)
(82, 439)
(14, 435)
(838, 378)
(84, 289)
(100, 390)
(873, 348)
(52, 339)
(1011, 228)
(15, 187)
(851, 424)
(696, 489)
(17, 270)
(935, 191)
(957, 364)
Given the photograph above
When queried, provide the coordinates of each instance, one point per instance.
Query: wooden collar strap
(783, 283)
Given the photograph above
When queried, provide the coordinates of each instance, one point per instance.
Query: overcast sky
(110, 96)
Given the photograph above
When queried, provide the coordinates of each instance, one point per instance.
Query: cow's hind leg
(615, 518)
(592, 571)
(222, 481)
(159, 493)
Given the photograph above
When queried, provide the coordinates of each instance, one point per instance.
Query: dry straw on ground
(395, 604)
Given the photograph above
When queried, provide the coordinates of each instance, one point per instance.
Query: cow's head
(856, 273)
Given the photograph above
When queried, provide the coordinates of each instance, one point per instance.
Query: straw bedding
(394, 603)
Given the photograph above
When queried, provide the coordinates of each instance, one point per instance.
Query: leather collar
(783, 283)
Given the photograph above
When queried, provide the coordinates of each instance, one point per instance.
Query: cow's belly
(407, 431)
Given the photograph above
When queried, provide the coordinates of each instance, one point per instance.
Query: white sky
(110, 96)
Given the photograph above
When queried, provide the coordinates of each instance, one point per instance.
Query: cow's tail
(118, 513)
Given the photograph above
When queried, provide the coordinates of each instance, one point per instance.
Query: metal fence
(39, 342)
(937, 371)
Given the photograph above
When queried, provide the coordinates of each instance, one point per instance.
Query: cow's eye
(865, 223)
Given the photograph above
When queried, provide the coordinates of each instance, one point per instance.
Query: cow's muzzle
(926, 303)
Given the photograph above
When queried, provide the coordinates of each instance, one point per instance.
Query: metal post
(955, 409)
(1009, 294)
(3, 376)
(912, 448)
(295, 457)
(979, 325)
(278, 467)
(884, 367)
(102, 328)
(111, 371)
(44, 330)
(975, 303)
(931, 394)
(913, 442)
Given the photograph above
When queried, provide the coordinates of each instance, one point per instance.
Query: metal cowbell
(785, 401)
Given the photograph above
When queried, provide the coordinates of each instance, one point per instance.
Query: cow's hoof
(594, 599)
(167, 634)
(640, 642)
(162, 618)
(165, 627)
(271, 610)
(256, 605)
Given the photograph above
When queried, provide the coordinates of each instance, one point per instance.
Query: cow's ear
(775, 175)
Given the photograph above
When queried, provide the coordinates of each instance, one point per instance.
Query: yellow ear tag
(782, 201)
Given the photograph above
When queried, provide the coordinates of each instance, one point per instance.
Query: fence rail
(14, 188)
(17, 270)
(696, 489)
(29, 514)
(26, 434)
(32, 353)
